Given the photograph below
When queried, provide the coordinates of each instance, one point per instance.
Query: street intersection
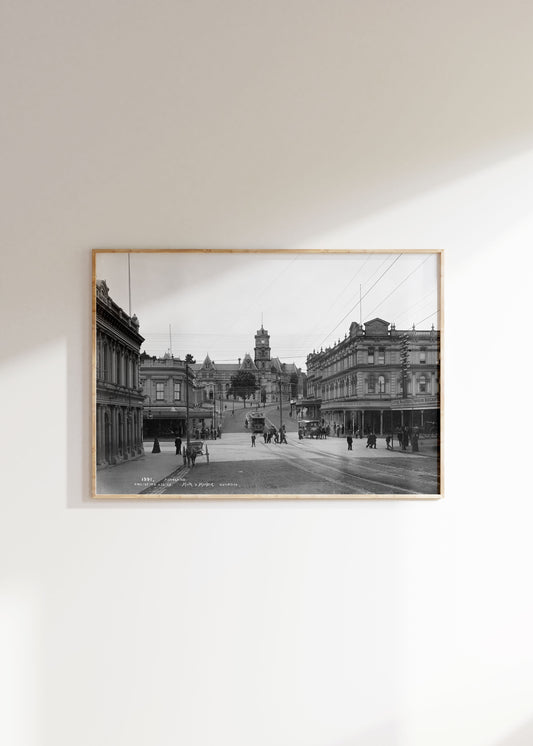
(307, 467)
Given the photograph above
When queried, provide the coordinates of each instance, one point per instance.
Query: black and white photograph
(266, 374)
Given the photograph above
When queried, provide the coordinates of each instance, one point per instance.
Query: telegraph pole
(280, 409)
(187, 404)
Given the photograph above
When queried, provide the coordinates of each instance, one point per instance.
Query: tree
(243, 385)
(189, 359)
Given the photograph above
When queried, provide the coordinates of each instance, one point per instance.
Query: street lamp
(187, 435)
(280, 408)
(149, 415)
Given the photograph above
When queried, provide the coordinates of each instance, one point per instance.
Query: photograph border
(268, 496)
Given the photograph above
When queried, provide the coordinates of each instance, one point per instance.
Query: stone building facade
(119, 399)
(360, 384)
(168, 383)
(275, 379)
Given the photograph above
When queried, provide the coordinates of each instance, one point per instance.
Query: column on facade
(114, 434)
(381, 422)
(125, 438)
(98, 434)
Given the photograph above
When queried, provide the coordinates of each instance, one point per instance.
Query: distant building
(119, 399)
(273, 377)
(166, 387)
(361, 384)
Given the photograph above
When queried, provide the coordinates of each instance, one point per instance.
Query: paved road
(308, 467)
(233, 421)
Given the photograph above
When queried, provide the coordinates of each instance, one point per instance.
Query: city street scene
(266, 374)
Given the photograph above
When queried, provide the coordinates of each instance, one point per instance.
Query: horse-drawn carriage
(195, 449)
(308, 429)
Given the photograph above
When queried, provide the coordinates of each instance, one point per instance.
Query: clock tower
(262, 348)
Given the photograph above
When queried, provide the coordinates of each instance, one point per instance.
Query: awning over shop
(176, 413)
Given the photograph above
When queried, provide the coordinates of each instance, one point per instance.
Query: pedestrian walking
(283, 438)
(177, 443)
(253, 440)
(388, 442)
(349, 440)
(156, 448)
(414, 440)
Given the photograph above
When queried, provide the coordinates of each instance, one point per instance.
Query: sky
(213, 303)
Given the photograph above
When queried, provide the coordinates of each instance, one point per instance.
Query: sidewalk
(132, 477)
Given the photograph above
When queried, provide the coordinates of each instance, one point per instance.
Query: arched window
(422, 385)
(381, 384)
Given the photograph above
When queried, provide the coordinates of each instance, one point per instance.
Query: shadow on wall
(522, 736)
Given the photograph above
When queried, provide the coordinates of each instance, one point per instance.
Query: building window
(371, 385)
(371, 356)
(422, 356)
(159, 391)
(177, 391)
(381, 384)
(422, 385)
(381, 356)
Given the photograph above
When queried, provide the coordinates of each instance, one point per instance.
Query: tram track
(347, 484)
(391, 468)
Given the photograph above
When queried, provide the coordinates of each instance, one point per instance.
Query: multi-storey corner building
(119, 399)
(168, 385)
(376, 379)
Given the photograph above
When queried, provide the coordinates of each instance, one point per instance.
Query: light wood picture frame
(272, 374)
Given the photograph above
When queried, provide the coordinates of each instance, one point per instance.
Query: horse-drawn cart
(195, 449)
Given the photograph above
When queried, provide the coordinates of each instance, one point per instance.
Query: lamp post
(280, 408)
(220, 422)
(187, 436)
(149, 415)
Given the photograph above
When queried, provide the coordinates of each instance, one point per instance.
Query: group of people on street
(208, 433)
(405, 435)
(271, 434)
(371, 440)
(408, 435)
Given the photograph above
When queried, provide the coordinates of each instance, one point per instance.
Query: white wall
(277, 125)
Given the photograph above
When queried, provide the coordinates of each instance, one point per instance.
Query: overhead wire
(361, 298)
(427, 317)
(400, 284)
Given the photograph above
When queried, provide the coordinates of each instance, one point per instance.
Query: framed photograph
(266, 374)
